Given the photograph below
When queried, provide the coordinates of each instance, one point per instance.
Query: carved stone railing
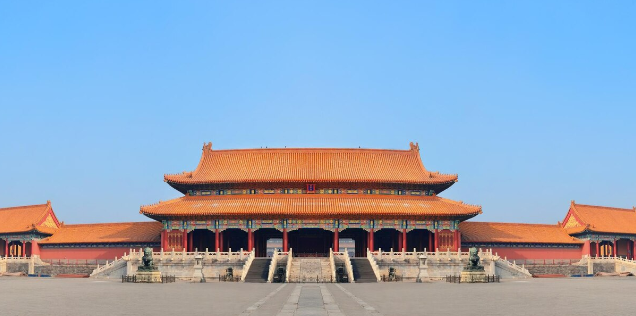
(332, 265)
(247, 265)
(173, 256)
(344, 256)
(117, 263)
(3, 265)
(290, 257)
(393, 256)
(183, 255)
(272, 266)
(451, 259)
(374, 265)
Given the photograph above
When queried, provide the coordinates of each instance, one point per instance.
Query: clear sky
(532, 103)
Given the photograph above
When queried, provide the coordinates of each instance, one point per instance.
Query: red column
(285, 241)
(598, 250)
(336, 241)
(430, 241)
(371, 247)
(436, 241)
(23, 249)
(185, 240)
(190, 243)
(222, 241)
(404, 239)
(216, 240)
(6, 247)
(586, 248)
(454, 239)
(634, 250)
(250, 239)
(615, 247)
(459, 240)
(399, 245)
(35, 248)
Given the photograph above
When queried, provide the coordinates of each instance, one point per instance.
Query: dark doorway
(360, 236)
(202, 239)
(310, 242)
(234, 239)
(261, 236)
(386, 239)
(417, 239)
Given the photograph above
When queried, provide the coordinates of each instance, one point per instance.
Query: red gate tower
(311, 200)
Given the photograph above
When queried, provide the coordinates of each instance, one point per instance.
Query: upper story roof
(134, 232)
(309, 206)
(489, 232)
(310, 165)
(22, 219)
(600, 219)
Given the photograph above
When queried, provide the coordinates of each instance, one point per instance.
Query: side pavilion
(21, 228)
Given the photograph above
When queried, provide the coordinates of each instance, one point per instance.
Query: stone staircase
(506, 269)
(112, 269)
(362, 271)
(258, 271)
(310, 270)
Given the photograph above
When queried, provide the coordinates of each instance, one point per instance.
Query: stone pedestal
(148, 277)
(197, 276)
(473, 277)
(422, 273)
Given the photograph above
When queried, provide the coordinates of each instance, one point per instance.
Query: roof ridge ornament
(414, 146)
(207, 146)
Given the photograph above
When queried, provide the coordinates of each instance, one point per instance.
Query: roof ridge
(511, 223)
(110, 223)
(412, 147)
(606, 207)
(22, 206)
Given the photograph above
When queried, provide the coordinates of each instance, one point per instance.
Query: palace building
(314, 200)
(311, 199)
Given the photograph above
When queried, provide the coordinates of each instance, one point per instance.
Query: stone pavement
(573, 296)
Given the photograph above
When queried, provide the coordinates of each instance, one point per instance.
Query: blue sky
(532, 103)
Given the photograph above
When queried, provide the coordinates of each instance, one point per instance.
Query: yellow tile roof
(489, 232)
(311, 206)
(311, 165)
(131, 232)
(28, 218)
(603, 219)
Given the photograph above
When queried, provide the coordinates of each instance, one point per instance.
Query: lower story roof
(340, 206)
(488, 232)
(132, 232)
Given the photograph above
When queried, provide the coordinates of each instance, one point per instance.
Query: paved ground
(575, 296)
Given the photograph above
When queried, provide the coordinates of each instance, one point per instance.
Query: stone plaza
(562, 296)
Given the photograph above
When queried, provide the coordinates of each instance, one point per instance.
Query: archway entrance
(266, 240)
(202, 239)
(234, 239)
(310, 242)
(386, 239)
(359, 237)
(15, 249)
(606, 249)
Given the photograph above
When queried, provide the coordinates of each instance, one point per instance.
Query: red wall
(513, 253)
(107, 253)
